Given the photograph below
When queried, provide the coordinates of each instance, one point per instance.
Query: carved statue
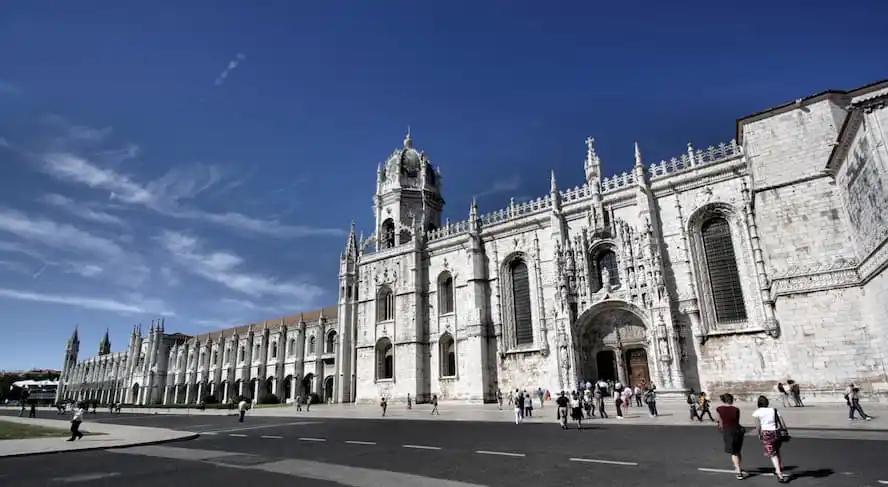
(605, 279)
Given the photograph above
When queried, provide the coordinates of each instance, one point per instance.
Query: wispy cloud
(166, 194)
(232, 65)
(7, 88)
(223, 268)
(502, 186)
(80, 210)
(103, 304)
(59, 236)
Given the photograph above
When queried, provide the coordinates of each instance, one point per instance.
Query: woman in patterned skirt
(769, 421)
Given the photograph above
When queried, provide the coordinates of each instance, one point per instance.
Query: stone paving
(109, 436)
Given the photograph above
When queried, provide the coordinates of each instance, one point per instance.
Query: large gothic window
(721, 265)
(448, 356)
(311, 346)
(387, 234)
(521, 302)
(292, 349)
(606, 263)
(274, 349)
(445, 293)
(385, 304)
(331, 342)
(385, 359)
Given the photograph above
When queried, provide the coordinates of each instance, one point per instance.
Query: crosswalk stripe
(272, 437)
(237, 435)
(715, 470)
(502, 453)
(356, 442)
(608, 462)
(312, 439)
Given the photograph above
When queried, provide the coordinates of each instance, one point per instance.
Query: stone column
(176, 394)
(200, 393)
(166, 391)
(225, 392)
(293, 388)
(187, 393)
(256, 392)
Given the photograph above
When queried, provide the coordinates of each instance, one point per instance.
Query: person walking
(384, 405)
(519, 407)
(75, 423)
(576, 412)
(692, 400)
(795, 390)
(562, 404)
(242, 409)
(627, 397)
(784, 396)
(409, 402)
(587, 403)
(499, 399)
(637, 392)
(705, 405)
(600, 393)
(540, 396)
(308, 402)
(618, 401)
(32, 413)
(512, 398)
(852, 397)
(772, 431)
(732, 432)
(435, 405)
(528, 405)
(299, 402)
(650, 398)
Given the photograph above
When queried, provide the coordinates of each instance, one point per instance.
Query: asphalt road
(307, 451)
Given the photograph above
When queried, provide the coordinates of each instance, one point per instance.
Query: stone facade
(728, 268)
(290, 356)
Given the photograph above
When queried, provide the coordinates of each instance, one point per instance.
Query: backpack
(690, 399)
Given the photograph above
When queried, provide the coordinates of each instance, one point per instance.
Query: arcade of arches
(611, 344)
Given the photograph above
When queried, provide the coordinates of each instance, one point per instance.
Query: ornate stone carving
(817, 281)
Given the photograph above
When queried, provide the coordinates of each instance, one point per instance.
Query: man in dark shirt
(562, 403)
(732, 431)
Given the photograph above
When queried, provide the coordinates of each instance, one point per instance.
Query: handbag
(782, 432)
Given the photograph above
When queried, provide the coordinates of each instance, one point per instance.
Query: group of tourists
(772, 433)
(790, 394)
(699, 405)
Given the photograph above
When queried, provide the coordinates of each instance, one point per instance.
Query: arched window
(448, 356)
(721, 265)
(256, 351)
(385, 359)
(606, 263)
(445, 293)
(387, 234)
(385, 304)
(521, 316)
(311, 345)
(292, 347)
(243, 351)
(215, 356)
(274, 349)
(331, 342)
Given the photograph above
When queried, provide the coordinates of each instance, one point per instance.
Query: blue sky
(203, 162)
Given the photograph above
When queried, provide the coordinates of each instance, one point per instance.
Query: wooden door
(637, 362)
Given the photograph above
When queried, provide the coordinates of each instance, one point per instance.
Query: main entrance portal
(610, 342)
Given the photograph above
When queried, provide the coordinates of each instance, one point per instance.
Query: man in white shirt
(75, 423)
(242, 408)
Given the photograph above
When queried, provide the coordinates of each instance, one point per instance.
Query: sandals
(783, 479)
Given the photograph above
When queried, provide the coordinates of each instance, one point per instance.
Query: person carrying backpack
(650, 398)
(692, 405)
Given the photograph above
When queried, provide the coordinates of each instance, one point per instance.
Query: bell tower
(408, 196)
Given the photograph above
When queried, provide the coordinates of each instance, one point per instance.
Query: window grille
(445, 293)
(385, 305)
(721, 264)
(385, 360)
(521, 303)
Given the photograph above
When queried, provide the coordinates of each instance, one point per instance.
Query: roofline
(803, 101)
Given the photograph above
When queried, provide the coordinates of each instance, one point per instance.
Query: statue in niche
(605, 279)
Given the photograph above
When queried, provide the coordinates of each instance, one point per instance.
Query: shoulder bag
(782, 432)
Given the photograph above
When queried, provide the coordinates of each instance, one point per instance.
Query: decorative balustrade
(694, 158)
(617, 181)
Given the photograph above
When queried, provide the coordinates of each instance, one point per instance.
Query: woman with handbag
(732, 432)
(773, 433)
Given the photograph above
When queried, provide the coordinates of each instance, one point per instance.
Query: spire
(74, 338)
(151, 331)
(351, 243)
(105, 344)
(408, 141)
(555, 194)
(593, 163)
(554, 186)
(638, 162)
(473, 210)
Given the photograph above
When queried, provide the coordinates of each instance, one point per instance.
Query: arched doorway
(307, 384)
(135, 396)
(610, 340)
(328, 389)
(286, 389)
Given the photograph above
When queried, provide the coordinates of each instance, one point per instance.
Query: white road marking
(609, 462)
(207, 433)
(199, 425)
(356, 442)
(715, 470)
(272, 437)
(312, 439)
(237, 435)
(261, 426)
(85, 477)
(422, 447)
(883, 482)
(502, 453)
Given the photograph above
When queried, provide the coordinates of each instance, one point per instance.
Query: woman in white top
(75, 423)
(576, 412)
(769, 421)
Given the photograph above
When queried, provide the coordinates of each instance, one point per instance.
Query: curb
(188, 437)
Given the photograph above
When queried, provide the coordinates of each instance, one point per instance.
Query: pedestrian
(519, 407)
(308, 402)
(75, 423)
(117, 409)
(33, 412)
(618, 400)
(600, 393)
(540, 396)
(409, 402)
(705, 405)
(852, 397)
(528, 406)
(650, 397)
(772, 431)
(384, 405)
(784, 396)
(299, 402)
(60, 408)
(692, 400)
(637, 392)
(587, 403)
(511, 399)
(499, 399)
(242, 409)
(561, 410)
(548, 396)
(110, 408)
(576, 412)
(732, 432)
(435, 405)
(627, 397)
(795, 390)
